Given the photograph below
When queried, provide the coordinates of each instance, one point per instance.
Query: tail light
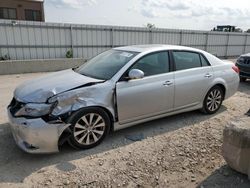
(236, 69)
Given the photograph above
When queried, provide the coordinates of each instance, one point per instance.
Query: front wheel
(213, 100)
(89, 127)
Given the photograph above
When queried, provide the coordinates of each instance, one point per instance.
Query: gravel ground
(178, 151)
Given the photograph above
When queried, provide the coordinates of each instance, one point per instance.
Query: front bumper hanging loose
(36, 135)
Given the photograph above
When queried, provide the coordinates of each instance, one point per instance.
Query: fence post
(150, 37)
(181, 34)
(206, 44)
(227, 45)
(245, 44)
(72, 40)
(112, 37)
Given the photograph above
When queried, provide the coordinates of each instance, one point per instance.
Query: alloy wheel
(214, 100)
(89, 129)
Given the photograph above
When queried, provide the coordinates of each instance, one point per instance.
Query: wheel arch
(218, 82)
(67, 132)
(112, 120)
(222, 86)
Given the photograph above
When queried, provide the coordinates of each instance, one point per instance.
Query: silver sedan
(118, 88)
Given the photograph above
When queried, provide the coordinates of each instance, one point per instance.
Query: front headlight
(34, 110)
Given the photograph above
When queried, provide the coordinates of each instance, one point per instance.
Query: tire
(242, 79)
(89, 127)
(213, 100)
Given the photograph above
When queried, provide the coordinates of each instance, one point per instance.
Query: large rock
(236, 145)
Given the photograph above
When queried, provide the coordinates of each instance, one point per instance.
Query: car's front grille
(247, 61)
(15, 106)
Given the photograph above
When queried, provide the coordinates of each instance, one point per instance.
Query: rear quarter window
(212, 59)
(204, 62)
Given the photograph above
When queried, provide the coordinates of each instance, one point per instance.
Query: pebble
(193, 179)
(181, 154)
(135, 176)
(100, 163)
(66, 182)
(131, 164)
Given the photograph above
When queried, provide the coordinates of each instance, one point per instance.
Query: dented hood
(40, 89)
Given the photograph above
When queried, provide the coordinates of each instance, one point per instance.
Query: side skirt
(118, 126)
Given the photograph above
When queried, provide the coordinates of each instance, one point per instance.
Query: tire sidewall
(80, 113)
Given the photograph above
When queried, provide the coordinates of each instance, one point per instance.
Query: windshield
(105, 65)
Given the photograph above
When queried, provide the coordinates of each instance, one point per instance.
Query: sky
(173, 14)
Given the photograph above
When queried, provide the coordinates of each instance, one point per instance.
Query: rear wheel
(242, 79)
(213, 100)
(89, 127)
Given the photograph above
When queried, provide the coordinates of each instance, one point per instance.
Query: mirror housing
(135, 74)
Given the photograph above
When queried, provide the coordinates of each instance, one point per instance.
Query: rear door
(149, 96)
(193, 77)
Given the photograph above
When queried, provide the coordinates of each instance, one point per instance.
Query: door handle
(208, 75)
(168, 83)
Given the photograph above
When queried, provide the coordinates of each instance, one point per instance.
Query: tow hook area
(30, 146)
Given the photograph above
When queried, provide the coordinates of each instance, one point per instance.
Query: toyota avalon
(118, 88)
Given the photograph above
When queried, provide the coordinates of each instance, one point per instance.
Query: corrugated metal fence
(34, 40)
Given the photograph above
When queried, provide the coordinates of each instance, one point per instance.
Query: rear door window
(186, 60)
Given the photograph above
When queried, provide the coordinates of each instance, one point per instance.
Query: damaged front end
(35, 135)
(97, 94)
(40, 127)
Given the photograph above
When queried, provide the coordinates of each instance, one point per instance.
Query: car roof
(147, 48)
(155, 47)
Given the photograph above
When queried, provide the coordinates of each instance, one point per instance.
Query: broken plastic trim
(30, 146)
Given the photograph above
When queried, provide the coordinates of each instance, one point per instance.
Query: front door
(149, 96)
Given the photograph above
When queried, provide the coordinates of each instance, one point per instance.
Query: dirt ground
(178, 151)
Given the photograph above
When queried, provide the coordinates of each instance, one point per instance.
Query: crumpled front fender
(96, 95)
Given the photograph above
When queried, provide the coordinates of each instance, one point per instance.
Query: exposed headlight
(34, 110)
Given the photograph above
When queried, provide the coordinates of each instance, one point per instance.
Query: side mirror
(135, 74)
